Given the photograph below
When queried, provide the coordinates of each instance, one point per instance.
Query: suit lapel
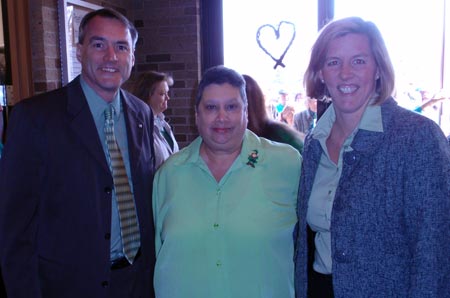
(135, 131)
(82, 122)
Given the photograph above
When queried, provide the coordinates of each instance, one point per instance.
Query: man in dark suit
(60, 227)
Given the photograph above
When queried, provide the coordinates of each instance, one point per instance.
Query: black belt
(322, 277)
(123, 262)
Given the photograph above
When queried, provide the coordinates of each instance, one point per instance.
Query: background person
(380, 230)
(260, 123)
(153, 88)
(224, 206)
(287, 115)
(60, 230)
(299, 101)
(282, 102)
(305, 120)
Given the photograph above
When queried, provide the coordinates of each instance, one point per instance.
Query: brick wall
(45, 45)
(169, 41)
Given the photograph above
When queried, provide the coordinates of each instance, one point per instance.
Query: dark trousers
(320, 285)
(2, 286)
(131, 281)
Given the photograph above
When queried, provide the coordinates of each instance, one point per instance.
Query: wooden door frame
(20, 48)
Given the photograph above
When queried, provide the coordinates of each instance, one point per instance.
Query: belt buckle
(123, 262)
(119, 263)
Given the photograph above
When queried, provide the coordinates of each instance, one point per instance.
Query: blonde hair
(385, 83)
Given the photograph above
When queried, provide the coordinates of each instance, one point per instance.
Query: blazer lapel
(135, 131)
(314, 151)
(365, 142)
(364, 145)
(82, 122)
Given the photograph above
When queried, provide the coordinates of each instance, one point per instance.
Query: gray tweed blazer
(390, 226)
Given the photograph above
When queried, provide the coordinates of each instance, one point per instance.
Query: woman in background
(375, 184)
(260, 123)
(153, 88)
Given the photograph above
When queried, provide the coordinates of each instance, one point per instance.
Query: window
(243, 19)
(415, 33)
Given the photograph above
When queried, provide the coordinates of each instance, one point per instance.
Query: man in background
(305, 120)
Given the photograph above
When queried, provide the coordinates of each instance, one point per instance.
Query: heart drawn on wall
(275, 42)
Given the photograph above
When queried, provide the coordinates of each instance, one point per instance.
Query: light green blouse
(228, 239)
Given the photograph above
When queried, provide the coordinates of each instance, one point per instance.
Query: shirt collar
(96, 103)
(371, 121)
(249, 144)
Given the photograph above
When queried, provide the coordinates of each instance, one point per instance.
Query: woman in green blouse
(224, 206)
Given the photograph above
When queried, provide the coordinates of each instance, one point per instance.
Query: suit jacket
(391, 213)
(55, 206)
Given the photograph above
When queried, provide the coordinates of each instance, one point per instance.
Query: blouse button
(342, 257)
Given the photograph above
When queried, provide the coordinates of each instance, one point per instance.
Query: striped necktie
(129, 228)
